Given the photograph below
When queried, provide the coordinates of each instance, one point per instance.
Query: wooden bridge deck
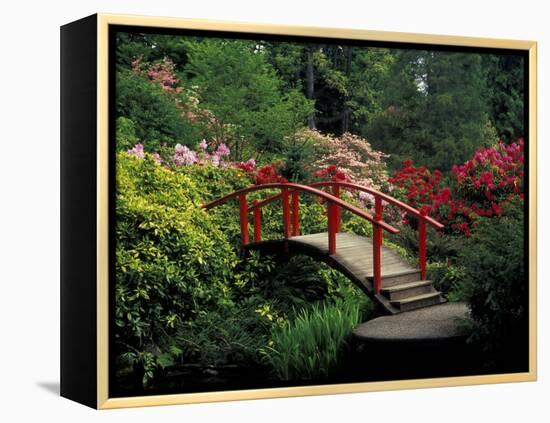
(402, 287)
(355, 253)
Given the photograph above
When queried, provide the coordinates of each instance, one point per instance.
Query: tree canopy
(255, 95)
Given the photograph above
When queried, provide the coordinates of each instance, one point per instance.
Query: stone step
(407, 290)
(399, 278)
(418, 301)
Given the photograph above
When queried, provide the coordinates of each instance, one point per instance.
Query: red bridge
(382, 273)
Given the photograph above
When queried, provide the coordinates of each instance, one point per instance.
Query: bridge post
(332, 223)
(338, 211)
(257, 222)
(295, 214)
(377, 246)
(286, 213)
(422, 247)
(243, 211)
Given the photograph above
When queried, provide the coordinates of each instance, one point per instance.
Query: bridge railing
(379, 199)
(291, 217)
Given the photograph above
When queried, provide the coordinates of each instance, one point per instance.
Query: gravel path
(441, 322)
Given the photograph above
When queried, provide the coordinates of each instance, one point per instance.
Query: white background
(29, 208)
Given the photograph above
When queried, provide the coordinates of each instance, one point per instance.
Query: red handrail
(334, 214)
(302, 188)
(355, 187)
(378, 197)
(334, 205)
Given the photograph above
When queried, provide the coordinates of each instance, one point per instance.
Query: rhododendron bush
(354, 157)
(480, 187)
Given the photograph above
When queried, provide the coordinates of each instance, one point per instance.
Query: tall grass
(310, 346)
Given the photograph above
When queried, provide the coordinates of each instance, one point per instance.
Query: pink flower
(184, 156)
(157, 158)
(486, 178)
(215, 159)
(203, 145)
(366, 197)
(137, 151)
(223, 150)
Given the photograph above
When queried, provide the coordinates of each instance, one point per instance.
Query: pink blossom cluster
(493, 169)
(247, 166)
(354, 156)
(137, 151)
(162, 72)
(183, 155)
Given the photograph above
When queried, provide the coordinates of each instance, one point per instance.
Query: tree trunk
(310, 84)
(346, 112)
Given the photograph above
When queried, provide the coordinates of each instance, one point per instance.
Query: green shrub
(125, 134)
(310, 347)
(447, 278)
(172, 261)
(496, 288)
(153, 111)
(230, 335)
(439, 247)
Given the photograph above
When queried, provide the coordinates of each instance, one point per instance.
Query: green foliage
(125, 134)
(496, 287)
(153, 111)
(310, 346)
(182, 293)
(433, 108)
(298, 154)
(231, 335)
(505, 91)
(212, 183)
(238, 85)
(357, 225)
(440, 247)
(150, 48)
(172, 261)
(447, 278)
(289, 283)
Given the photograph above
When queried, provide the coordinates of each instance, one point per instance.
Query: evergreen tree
(433, 108)
(505, 94)
(235, 81)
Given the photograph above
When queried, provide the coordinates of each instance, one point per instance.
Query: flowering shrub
(185, 99)
(332, 173)
(494, 175)
(269, 174)
(354, 156)
(162, 73)
(183, 156)
(137, 151)
(479, 187)
(247, 166)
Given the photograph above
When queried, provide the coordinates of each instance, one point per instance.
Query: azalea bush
(480, 187)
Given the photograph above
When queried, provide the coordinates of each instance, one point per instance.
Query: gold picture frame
(102, 23)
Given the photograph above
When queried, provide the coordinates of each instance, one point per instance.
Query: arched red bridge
(382, 273)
